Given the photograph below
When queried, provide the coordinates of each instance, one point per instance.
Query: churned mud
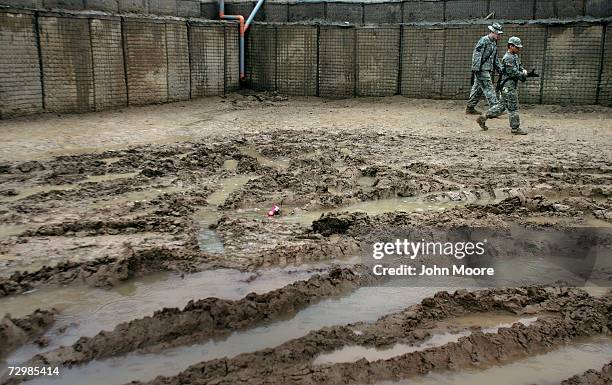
(99, 210)
(569, 315)
(16, 331)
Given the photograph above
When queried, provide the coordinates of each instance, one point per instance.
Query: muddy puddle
(208, 239)
(292, 214)
(363, 304)
(542, 369)
(373, 207)
(84, 311)
(227, 186)
(356, 353)
(230, 164)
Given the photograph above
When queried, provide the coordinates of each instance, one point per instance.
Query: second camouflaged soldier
(512, 72)
(484, 62)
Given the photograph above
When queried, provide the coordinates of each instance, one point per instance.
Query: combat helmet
(496, 28)
(515, 41)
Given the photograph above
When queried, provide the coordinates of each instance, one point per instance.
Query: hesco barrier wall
(427, 61)
(355, 12)
(60, 62)
(52, 62)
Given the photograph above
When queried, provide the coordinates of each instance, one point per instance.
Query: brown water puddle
(228, 186)
(374, 207)
(230, 164)
(208, 239)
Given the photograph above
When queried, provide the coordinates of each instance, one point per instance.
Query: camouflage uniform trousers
(510, 101)
(483, 85)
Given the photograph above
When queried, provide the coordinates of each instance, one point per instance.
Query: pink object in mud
(275, 210)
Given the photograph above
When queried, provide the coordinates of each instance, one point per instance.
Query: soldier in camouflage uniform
(512, 72)
(484, 62)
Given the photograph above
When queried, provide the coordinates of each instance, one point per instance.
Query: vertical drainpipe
(243, 27)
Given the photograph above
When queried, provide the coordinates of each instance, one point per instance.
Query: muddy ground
(105, 198)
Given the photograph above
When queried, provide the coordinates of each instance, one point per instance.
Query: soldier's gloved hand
(525, 72)
(532, 74)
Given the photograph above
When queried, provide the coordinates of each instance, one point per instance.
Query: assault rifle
(500, 84)
(532, 74)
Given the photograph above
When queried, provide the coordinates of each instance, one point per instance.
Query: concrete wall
(457, 59)
(110, 89)
(423, 11)
(146, 63)
(604, 96)
(232, 58)
(261, 59)
(20, 77)
(67, 64)
(206, 46)
(422, 55)
(345, 13)
(337, 62)
(357, 12)
(96, 62)
(297, 59)
(378, 60)
(572, 78)
(177, 58)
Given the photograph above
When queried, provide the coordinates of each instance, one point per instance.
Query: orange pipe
(240, 19)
